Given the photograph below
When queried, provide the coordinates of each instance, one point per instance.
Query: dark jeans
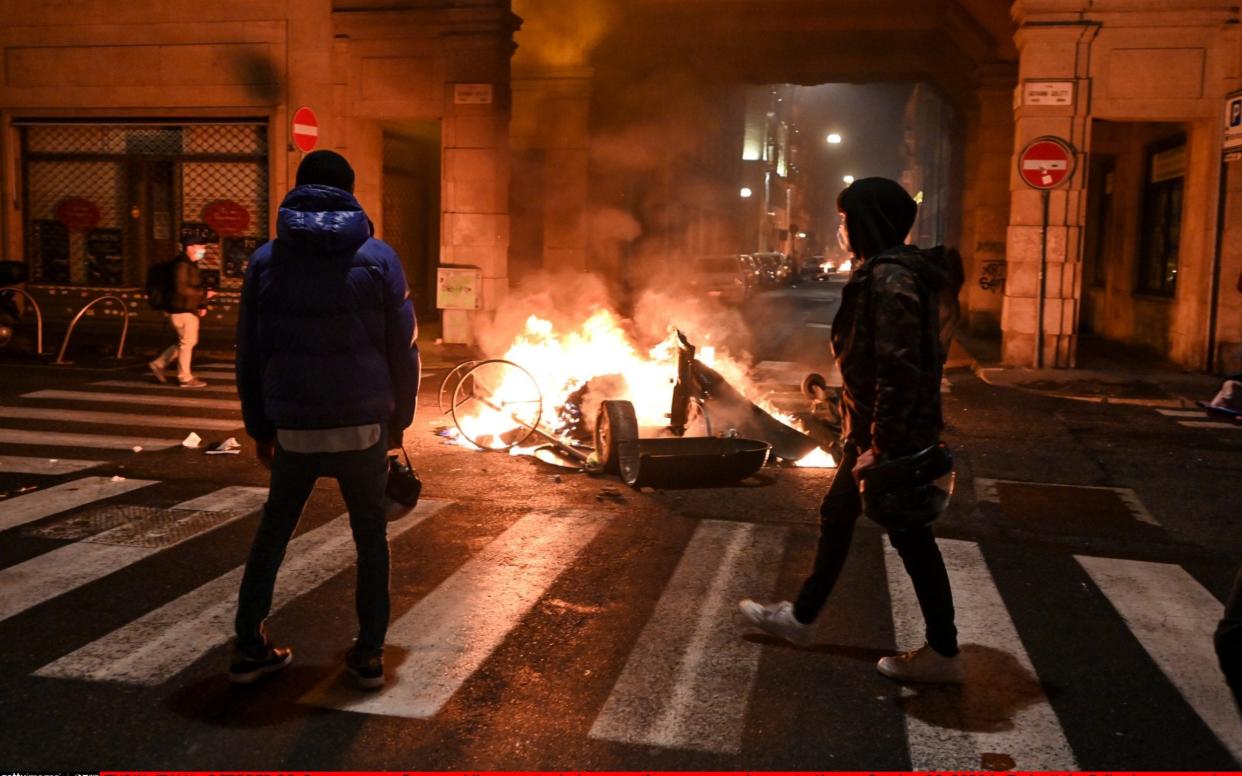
(362, 475)
(1229, 640)
(839, 512)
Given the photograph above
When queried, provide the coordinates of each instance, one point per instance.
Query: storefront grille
(102, 202)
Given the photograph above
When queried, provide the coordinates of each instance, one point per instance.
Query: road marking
(17, 436)
(34, 506)
(137, 398)
(166, 641)
(986, 491)
(1174, 618)
(688, 681)
(119, 418)
(1181, 413)
(218, 365)
(209, 375)
(1002, 707)
(1216, 424)
(67, 568)
(452, 631)
(19, 464)
(167, 387)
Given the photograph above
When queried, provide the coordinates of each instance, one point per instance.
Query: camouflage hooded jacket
(888, 347)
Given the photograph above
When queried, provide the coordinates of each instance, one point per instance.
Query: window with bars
(103, 202)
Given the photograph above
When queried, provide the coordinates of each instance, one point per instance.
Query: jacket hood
(933, 266)
(878, 215)
(316, 221)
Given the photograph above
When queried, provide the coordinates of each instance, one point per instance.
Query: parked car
(722, 277)
(775, 269)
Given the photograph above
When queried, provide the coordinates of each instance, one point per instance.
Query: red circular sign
(77, 213)
(305, 129)
(1046, 163)
(226, 217)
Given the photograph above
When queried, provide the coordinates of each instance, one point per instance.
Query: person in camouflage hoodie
(887, 340)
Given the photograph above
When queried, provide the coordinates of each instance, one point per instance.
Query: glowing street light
(834, 138)
(746, 192)
(848, 179)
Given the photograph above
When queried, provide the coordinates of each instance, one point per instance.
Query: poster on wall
(236, 253)
(104, 263)
(51, 241)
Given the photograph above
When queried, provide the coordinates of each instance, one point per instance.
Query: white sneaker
(777, 619)
(923, 665)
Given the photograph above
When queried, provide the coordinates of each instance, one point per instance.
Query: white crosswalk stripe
(67, 568)
(119, 418)
(449, 634)
(19, 436)
(40, 504)
(1174, 618)
(137, 398)
(164, 642)
(688, 681)
(20, 464)
(998, 670)
(228, 388)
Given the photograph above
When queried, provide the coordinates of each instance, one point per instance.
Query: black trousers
(838, 514)
(362, 475)
(1229, 640)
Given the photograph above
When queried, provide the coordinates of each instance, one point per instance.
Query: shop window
(1162, 217)
(102, 202)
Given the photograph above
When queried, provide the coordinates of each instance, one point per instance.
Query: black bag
(159, 285)
(404, 486)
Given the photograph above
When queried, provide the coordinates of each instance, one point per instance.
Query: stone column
(985, 209)
(475, 180)
(1050, 51)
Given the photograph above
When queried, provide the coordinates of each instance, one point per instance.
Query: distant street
(545, 619)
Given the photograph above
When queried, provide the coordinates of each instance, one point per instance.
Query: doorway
(411, 207)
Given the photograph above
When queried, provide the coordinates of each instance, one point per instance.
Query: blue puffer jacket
(326, 333)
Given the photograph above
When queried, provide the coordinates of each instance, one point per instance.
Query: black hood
(878, 215)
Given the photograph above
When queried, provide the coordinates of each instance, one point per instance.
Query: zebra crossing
(689, 680)
(1191, 418)
(70, 427)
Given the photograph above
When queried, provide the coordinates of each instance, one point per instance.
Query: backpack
(159, 285)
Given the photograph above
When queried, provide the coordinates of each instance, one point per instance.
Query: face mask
(843, 238)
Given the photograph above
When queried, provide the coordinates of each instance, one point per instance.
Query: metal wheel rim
(458, 401)
(443, 394)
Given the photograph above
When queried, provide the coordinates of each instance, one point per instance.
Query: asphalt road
(552, 620)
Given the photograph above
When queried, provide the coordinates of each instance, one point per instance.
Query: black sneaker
(244, 668)
(368, 670)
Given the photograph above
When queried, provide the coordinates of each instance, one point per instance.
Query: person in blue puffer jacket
(328, 373)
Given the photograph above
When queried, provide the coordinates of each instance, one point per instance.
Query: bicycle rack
(125, 313)
(38, 316)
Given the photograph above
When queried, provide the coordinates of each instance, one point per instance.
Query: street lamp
(848, 179)
(834, 139)
(746, 192)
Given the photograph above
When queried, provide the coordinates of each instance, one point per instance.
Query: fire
(846, 266)
(556, 365)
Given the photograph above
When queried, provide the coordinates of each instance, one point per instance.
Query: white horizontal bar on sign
(20, 510)
(18, 464)
(688, 681)
(136, 398)
(119, 418)
(19, 436)
(1174, 618)
(67, 568)
(166, 641)
(452, 631)
(998, 670)
(167, 387)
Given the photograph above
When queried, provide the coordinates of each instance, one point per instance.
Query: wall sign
(1054, 93)
(457, 288)
(77, 213)
(472, 94)
(226, 217)
(1233, 122)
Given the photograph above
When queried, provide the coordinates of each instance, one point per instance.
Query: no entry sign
(1046, 163)
(305, 129)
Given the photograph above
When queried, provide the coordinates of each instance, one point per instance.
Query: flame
(817, 459)
(556, 364)
(846, 266)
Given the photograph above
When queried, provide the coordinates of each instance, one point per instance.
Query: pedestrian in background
(328, 374)
(886, 340)
(187, 302)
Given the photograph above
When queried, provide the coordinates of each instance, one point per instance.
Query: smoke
(561, 33)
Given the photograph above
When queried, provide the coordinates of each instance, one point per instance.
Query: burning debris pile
(591, 398)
